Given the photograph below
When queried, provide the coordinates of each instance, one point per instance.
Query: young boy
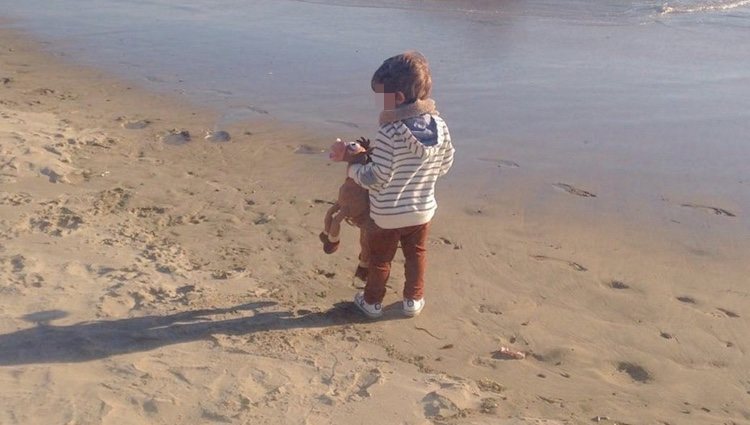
(412, 149)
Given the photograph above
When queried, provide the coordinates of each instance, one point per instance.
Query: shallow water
(638, 93)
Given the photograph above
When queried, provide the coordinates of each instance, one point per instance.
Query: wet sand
(149, 275)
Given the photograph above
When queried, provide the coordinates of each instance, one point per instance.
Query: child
(412, 149)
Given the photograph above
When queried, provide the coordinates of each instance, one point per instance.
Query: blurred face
(390, 100)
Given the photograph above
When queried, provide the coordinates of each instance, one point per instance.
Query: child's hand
(351, 170)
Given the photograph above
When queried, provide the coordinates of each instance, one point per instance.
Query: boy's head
(407, 73)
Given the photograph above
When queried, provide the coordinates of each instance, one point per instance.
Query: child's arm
(447, 153)
(379, 172)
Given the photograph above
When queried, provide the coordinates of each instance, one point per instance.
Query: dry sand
(150, 279)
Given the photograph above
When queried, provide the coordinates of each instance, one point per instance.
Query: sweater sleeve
(378, 173)
(447, 154)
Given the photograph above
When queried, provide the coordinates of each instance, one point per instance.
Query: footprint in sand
(15, 199)
(722, 311)
(488, 385)
(56, 221)
(53, 175)
(439, 406)
(666, 335)
(18, 271)
(572, 264)
(176, 137)
(489, 309)
(616, 284)
(715, 210)
(444, 241)
(555, 356)
(193, 218)
(574, 190)
(728, 313)
(149, 212)
(635, 371)
(686, 299)
(363, 382)
(110, 201)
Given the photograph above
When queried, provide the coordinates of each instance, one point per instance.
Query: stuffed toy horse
(352, 205)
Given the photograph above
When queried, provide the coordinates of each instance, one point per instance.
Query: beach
(160, 264)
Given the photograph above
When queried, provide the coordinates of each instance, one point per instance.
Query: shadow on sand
(80, 342)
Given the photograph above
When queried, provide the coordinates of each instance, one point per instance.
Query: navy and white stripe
(402, 175)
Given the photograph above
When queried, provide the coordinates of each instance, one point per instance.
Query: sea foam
(703, 6)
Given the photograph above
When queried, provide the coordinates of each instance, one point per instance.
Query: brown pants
(364, 247)
(383, 245)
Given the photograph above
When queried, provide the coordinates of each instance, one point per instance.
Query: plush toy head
(351, 152)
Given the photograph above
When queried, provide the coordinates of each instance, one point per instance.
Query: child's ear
(399, 97)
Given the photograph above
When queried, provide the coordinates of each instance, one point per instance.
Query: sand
(155, 269)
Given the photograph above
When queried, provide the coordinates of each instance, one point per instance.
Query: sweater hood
(423, 134)
(424, 129)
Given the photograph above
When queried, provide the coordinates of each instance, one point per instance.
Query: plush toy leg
(331, 240)
(329, 217)
(325, 236)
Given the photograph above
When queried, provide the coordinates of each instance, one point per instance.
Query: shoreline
(201, 266)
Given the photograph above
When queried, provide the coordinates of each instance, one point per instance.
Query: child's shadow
(46, 343)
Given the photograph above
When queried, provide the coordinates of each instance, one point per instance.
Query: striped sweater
(407, 159)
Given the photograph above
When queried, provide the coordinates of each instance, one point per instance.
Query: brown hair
(408, 73)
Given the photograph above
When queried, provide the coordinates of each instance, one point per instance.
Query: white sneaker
(413, 307)
(373, 311)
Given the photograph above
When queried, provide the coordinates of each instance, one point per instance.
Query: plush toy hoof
(328, 246)
(361, 273)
